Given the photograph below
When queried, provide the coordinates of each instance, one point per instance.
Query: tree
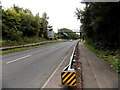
(30, 25)
(44, 24)
(65, 33)
(11, 25)
(18, 23)
(100, 24)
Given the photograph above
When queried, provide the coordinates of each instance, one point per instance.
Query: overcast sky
(61, 12)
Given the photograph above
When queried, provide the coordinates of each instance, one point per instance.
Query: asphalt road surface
(31, 68)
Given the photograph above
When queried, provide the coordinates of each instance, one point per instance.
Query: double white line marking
(17, 59)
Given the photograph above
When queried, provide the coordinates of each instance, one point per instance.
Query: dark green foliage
(43, 24)
(19, 23)
(110, 57)
(69, 34)
(21, 41)
(11, 25)
(100, 25)
(43, 28)
(101, 29)
(30, 25)
(0, 24)
(55, 36)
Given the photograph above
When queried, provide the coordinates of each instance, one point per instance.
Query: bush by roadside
(22, 41)
(110, 57)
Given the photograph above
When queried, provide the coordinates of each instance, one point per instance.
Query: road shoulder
(95, 72)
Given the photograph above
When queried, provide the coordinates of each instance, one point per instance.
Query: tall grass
(22, 41)
(110, 57)
(0, 43)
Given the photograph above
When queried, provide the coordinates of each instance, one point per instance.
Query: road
(31, 68)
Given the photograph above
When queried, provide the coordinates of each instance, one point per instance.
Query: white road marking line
(17, 59)
(94, 74)
(55, 70)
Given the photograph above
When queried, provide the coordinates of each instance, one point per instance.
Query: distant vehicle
(70, 40)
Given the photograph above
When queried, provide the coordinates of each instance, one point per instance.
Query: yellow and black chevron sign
(68, 78)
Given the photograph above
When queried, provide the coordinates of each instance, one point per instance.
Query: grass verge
(22, 41)
(112, 60)
(25, 48)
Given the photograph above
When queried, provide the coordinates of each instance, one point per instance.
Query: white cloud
(61, 12)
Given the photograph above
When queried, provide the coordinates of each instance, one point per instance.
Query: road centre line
(17, 59)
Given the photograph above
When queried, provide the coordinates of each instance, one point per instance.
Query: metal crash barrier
(68, 74)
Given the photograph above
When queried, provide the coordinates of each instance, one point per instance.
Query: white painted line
(17, 59)
(94, 74)
(55, 70)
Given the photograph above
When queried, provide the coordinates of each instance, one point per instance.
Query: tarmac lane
(32, 68)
